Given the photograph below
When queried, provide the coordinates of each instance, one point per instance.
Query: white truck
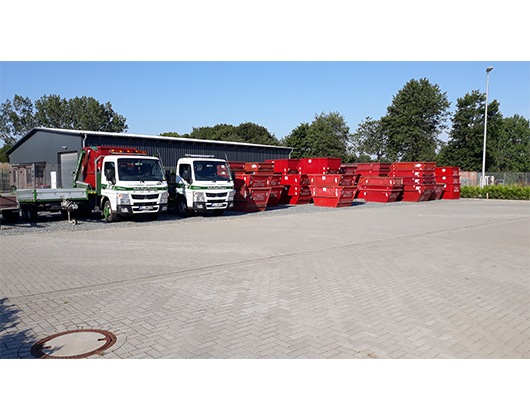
(118, 181)
(201, 183)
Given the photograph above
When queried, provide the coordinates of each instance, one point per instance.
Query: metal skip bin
(275, 184)
(252, 182)
(418, 193)
(310, 166)
(295, 189)
(285, 166)
(255, 199)
(343, 180)
(382, 189)
(333, 196)
(438, 191)
(419, 182)
(449, 176)
(373, 169)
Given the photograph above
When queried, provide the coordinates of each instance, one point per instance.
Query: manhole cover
(76, 344)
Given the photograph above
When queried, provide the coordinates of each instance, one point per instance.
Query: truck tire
(108, 214)
(182, 208)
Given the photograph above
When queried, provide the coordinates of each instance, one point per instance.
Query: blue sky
(162, 96)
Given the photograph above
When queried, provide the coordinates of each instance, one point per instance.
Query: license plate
(146, 207)
(218, 204)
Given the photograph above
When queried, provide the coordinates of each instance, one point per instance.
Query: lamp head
(489, 69)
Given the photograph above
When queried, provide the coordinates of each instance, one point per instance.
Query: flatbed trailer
(32, 201)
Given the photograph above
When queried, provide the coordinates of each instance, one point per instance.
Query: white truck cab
(203, 183)
(132, 185)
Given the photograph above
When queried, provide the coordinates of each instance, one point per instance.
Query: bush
(499, 192)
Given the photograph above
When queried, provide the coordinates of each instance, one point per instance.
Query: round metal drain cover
(76, 344)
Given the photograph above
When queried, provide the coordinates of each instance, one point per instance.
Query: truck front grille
(144, 196)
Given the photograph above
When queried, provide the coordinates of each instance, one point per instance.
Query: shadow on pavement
(11, 338)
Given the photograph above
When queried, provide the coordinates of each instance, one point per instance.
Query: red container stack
(382, 189)
(449, 176)
(418, 179)
(275, 183)
(295, 189)
(332, 190)
(252, 182)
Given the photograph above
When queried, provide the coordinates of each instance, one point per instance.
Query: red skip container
(319, 166)
(285, 166)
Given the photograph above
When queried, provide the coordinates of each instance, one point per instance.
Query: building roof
(135, 136)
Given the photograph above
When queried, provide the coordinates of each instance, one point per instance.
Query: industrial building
(47, 157)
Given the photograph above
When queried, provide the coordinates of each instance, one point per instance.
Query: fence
(495, 178)
(5, 182)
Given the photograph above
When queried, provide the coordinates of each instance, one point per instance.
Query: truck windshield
(139, 169)
(208, 170)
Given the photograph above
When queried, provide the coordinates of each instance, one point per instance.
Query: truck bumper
(141, 209)
(202, 206)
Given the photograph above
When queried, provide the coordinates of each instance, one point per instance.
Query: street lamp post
(483, 178)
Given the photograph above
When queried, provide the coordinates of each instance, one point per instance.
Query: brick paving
(433, 280)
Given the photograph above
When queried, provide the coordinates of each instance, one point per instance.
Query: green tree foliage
(246, 132)
(16, 119)
(370, 140)
(327, 136)
(414, 121)
(465, 147)
(3, 150)
(297, 139)
(512, 151)
(19, 116)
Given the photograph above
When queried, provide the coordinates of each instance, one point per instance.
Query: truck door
(185, 172)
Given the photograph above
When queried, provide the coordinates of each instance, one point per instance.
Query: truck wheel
(108, 214)
(182, 208)
(30, 212)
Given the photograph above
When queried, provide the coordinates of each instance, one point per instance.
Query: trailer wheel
(11, 216)
(30, 212)
(108, 214)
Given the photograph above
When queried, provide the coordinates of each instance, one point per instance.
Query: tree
(465, 146)
(512, 151)
(16, 119)
(19, 116)
(3, 154)
(297, 139)
(327, 136)
(370, 140)
(245, 132)
(414, 121)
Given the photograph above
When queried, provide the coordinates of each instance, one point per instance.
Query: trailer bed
(46, 195)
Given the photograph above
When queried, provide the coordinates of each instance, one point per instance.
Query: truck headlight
(124, 199)
(231, 195)
(199, 196)
(164, 197)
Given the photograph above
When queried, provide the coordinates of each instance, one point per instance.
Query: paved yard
(443, 279)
